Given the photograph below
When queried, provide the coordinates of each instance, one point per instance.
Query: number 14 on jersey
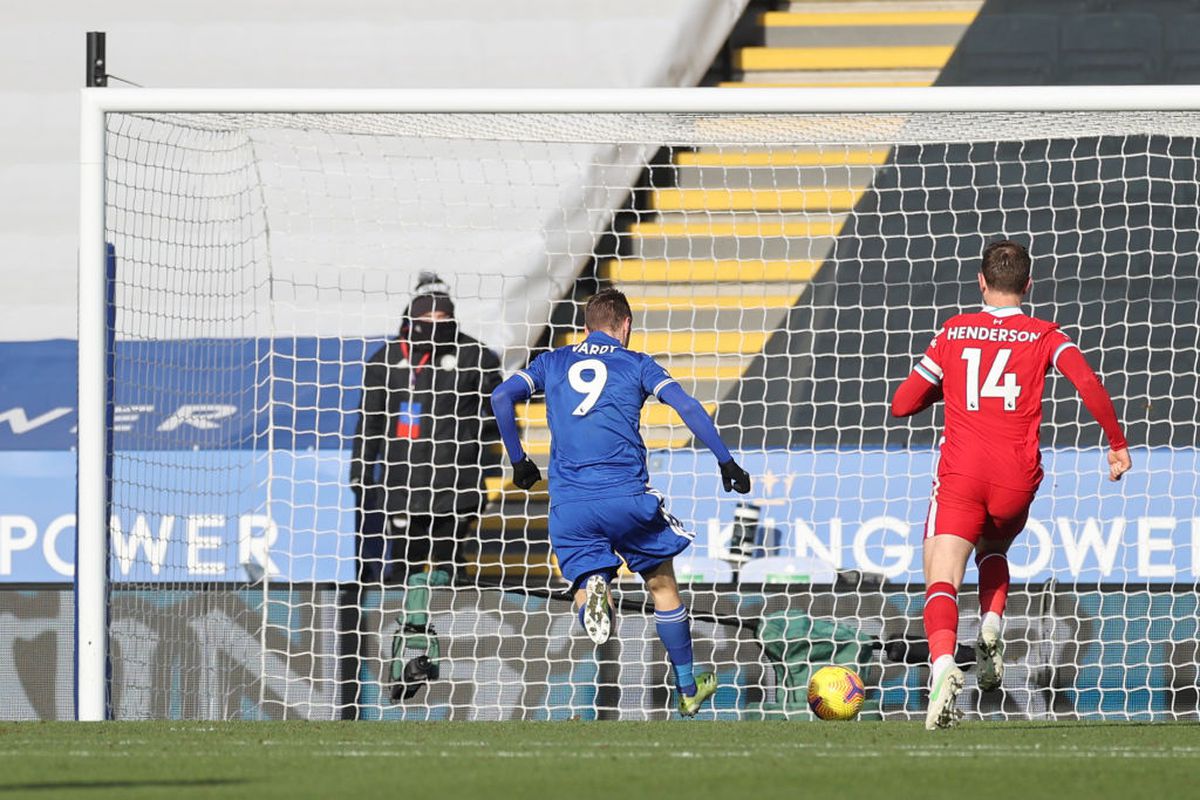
(998, 382)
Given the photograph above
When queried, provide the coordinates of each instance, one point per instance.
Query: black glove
(526, 473)
(735, 478)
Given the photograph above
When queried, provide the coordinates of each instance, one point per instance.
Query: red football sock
(993, 582)
(941, 619)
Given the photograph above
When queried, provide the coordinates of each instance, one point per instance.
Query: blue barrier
(203, 515)
(311, 386)
(196, 495)
(867, 509)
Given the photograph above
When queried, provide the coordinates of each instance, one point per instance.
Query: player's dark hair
(1005, 266)
(606, 310)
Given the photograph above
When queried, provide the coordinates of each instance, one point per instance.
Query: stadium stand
(1110, 49)
(705, 208)
(853, 44)
(1182, 50)
(1034, 6)
(852, 297)
(1072, 42)
(1010, 50)
(881, 266)
(700, 210)
(767, 386)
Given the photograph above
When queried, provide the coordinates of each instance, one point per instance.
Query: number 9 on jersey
(589, 387)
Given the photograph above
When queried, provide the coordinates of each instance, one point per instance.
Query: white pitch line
(641, 753)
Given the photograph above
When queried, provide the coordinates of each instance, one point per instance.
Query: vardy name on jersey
(592, 349)
(594, 396)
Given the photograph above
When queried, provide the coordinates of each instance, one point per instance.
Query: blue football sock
(675, 630)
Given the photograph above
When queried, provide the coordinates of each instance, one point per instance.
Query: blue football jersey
(594, 396)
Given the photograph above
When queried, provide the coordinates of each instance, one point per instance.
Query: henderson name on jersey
(990, 367)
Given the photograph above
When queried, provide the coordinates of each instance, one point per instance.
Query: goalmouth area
(238, 264)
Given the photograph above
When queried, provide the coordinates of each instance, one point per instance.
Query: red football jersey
(992, 367)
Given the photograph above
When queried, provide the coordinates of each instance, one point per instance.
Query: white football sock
(940, 665)
(991, 620)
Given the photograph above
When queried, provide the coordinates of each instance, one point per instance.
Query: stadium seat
(1159, 7)
(1008, 7)
(1102, 49)
(1007, 50)
(782, 569)
(1183, 49)
(689, 569)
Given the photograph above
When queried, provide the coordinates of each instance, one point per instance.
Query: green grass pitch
(551, 760)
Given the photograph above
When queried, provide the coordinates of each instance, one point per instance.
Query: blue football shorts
(589, 535)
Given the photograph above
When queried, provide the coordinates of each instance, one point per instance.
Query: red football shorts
(974, 509)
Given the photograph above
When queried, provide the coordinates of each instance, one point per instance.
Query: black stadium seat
(1183, 49)
(1110, 49)
(1007, 50)
(1159, 7)
(1003, 7)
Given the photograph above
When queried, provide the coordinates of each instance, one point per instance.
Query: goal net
(787, 268)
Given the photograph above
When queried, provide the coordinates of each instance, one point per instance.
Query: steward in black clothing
(425, 441)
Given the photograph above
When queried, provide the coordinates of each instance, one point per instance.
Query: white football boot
(942, 712)
(597, 619)
(989, 659)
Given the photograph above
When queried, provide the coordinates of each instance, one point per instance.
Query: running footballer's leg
(649, 539)
(1008, 511)
(991, 559)
(674, 628)
(587, 560)
(594, 602)
(957, 520)
(945, 562)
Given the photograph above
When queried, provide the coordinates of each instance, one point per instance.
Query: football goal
(246, 262)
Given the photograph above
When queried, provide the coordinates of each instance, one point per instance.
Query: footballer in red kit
(989, 367)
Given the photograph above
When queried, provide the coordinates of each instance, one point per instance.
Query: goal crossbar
(687, 100)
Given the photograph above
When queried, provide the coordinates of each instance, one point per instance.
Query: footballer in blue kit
(602, 509)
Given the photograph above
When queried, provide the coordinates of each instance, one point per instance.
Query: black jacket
(431, 459)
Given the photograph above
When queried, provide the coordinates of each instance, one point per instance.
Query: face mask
(420, 332)
(425, 332)
(445, 332)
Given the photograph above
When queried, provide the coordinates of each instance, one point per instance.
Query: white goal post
(928, 121)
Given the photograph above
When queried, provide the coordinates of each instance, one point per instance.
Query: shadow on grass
(122, 784)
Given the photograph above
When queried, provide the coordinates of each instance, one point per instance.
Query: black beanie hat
(432, 294)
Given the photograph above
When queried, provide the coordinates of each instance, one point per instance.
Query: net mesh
(787, 269)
